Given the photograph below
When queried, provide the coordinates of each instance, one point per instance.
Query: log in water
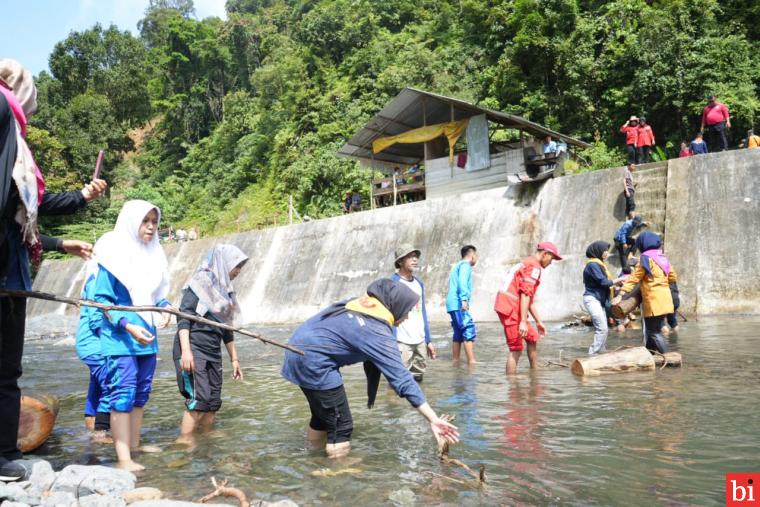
(38, 413)
(633, 359)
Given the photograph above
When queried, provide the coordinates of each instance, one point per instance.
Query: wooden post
(395, 190)
(371, 178)
(424, 124)
(290, 209)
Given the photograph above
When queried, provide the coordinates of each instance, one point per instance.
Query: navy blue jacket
(596, 282)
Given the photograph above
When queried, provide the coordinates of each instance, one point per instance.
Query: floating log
(38, 413)
(628, 304)
(630, 359)
(668, 359)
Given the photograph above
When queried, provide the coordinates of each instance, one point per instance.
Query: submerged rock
(87, 480)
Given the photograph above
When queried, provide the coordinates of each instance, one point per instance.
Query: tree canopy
(219, 121)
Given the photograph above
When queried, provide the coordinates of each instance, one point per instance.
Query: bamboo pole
(194, 318)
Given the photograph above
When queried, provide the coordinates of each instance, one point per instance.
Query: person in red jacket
(515, 301)
(645, 141)
(631, 131)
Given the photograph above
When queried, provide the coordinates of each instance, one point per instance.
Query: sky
(31, 28)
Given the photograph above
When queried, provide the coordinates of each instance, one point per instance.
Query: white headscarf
(20, 80)
(141, 267)
(211, 283)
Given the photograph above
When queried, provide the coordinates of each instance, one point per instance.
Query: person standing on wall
(413, 335)
(629, 189)
(717, 119)
(458, 301)
(645, 141)
(655, 275)
(631, 131)
(515, 301)
(349, 332)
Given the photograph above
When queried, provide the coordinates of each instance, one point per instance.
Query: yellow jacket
(655, 290)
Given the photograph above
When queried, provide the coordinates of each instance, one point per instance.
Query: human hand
(465, 306)
(187, 362)
(165, 319)
(541, 328)
(140, 334)
(444, 431)
(237, 372)
(94, 189)
(431, 351)
(522, 329)
(81, 249)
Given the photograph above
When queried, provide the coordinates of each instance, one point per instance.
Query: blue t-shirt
(114, 339)
(331, 342)
(88, 337)
(460, 286)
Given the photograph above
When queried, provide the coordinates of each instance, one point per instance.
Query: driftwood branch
(443, 454)
(86, 302)
(221, 489)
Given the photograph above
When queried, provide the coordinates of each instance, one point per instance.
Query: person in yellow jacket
(655, 274)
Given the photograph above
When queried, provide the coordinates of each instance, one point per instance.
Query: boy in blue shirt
(458, 304)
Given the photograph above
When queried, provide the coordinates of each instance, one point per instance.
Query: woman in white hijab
(197, 347)
(132, 270)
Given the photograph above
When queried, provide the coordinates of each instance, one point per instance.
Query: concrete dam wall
(707, 208)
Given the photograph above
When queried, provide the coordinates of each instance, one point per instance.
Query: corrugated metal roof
(408, 110)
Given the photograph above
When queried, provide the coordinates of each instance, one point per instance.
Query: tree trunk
(671, 358)
(633, 359)
(36, 422)
(628, 304)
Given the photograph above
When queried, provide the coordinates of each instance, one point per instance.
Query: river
(547, 438)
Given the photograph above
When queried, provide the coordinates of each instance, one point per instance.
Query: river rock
(142, 494)
(87, 480)
(174, 503)
(402, 496)
(279, 503)
(15, 493)
(13, 504)
(42, 475)
(66, 342)
(102, 501)
(58, 499)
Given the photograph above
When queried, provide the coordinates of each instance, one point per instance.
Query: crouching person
(359, 330)
(197, 350)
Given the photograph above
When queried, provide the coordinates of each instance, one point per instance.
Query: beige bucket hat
(402, 251)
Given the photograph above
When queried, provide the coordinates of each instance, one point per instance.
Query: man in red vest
(515, 301)
(645, 141)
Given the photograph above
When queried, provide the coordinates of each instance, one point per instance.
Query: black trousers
(623, 250)
(645, 154)
(12, 320)
(654, 337)
(633, 153)
(717, 140)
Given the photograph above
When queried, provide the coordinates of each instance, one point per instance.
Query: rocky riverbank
(93, 486)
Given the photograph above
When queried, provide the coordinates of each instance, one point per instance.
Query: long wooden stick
(86, 302)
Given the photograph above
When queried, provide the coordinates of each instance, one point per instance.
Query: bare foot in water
(188, 440)
(101, 437)
(148, 449)
(130, 466)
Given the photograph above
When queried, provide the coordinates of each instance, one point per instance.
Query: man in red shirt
(645, 140)
(716, 118)
(631, 131)
(515, 301)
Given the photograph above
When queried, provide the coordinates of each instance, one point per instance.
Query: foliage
(249, 111)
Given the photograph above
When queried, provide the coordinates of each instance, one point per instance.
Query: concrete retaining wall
(710, 210)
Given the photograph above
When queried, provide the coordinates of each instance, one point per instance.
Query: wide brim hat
(402, 251)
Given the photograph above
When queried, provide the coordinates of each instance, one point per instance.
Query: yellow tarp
(452, 130)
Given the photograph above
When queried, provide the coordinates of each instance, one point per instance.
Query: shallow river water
(548, 438)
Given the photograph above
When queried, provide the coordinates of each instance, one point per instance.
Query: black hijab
(399, 300)
(596, 249)
(7, 160)
(396, 297)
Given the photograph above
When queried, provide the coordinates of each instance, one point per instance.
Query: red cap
(548, 246)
